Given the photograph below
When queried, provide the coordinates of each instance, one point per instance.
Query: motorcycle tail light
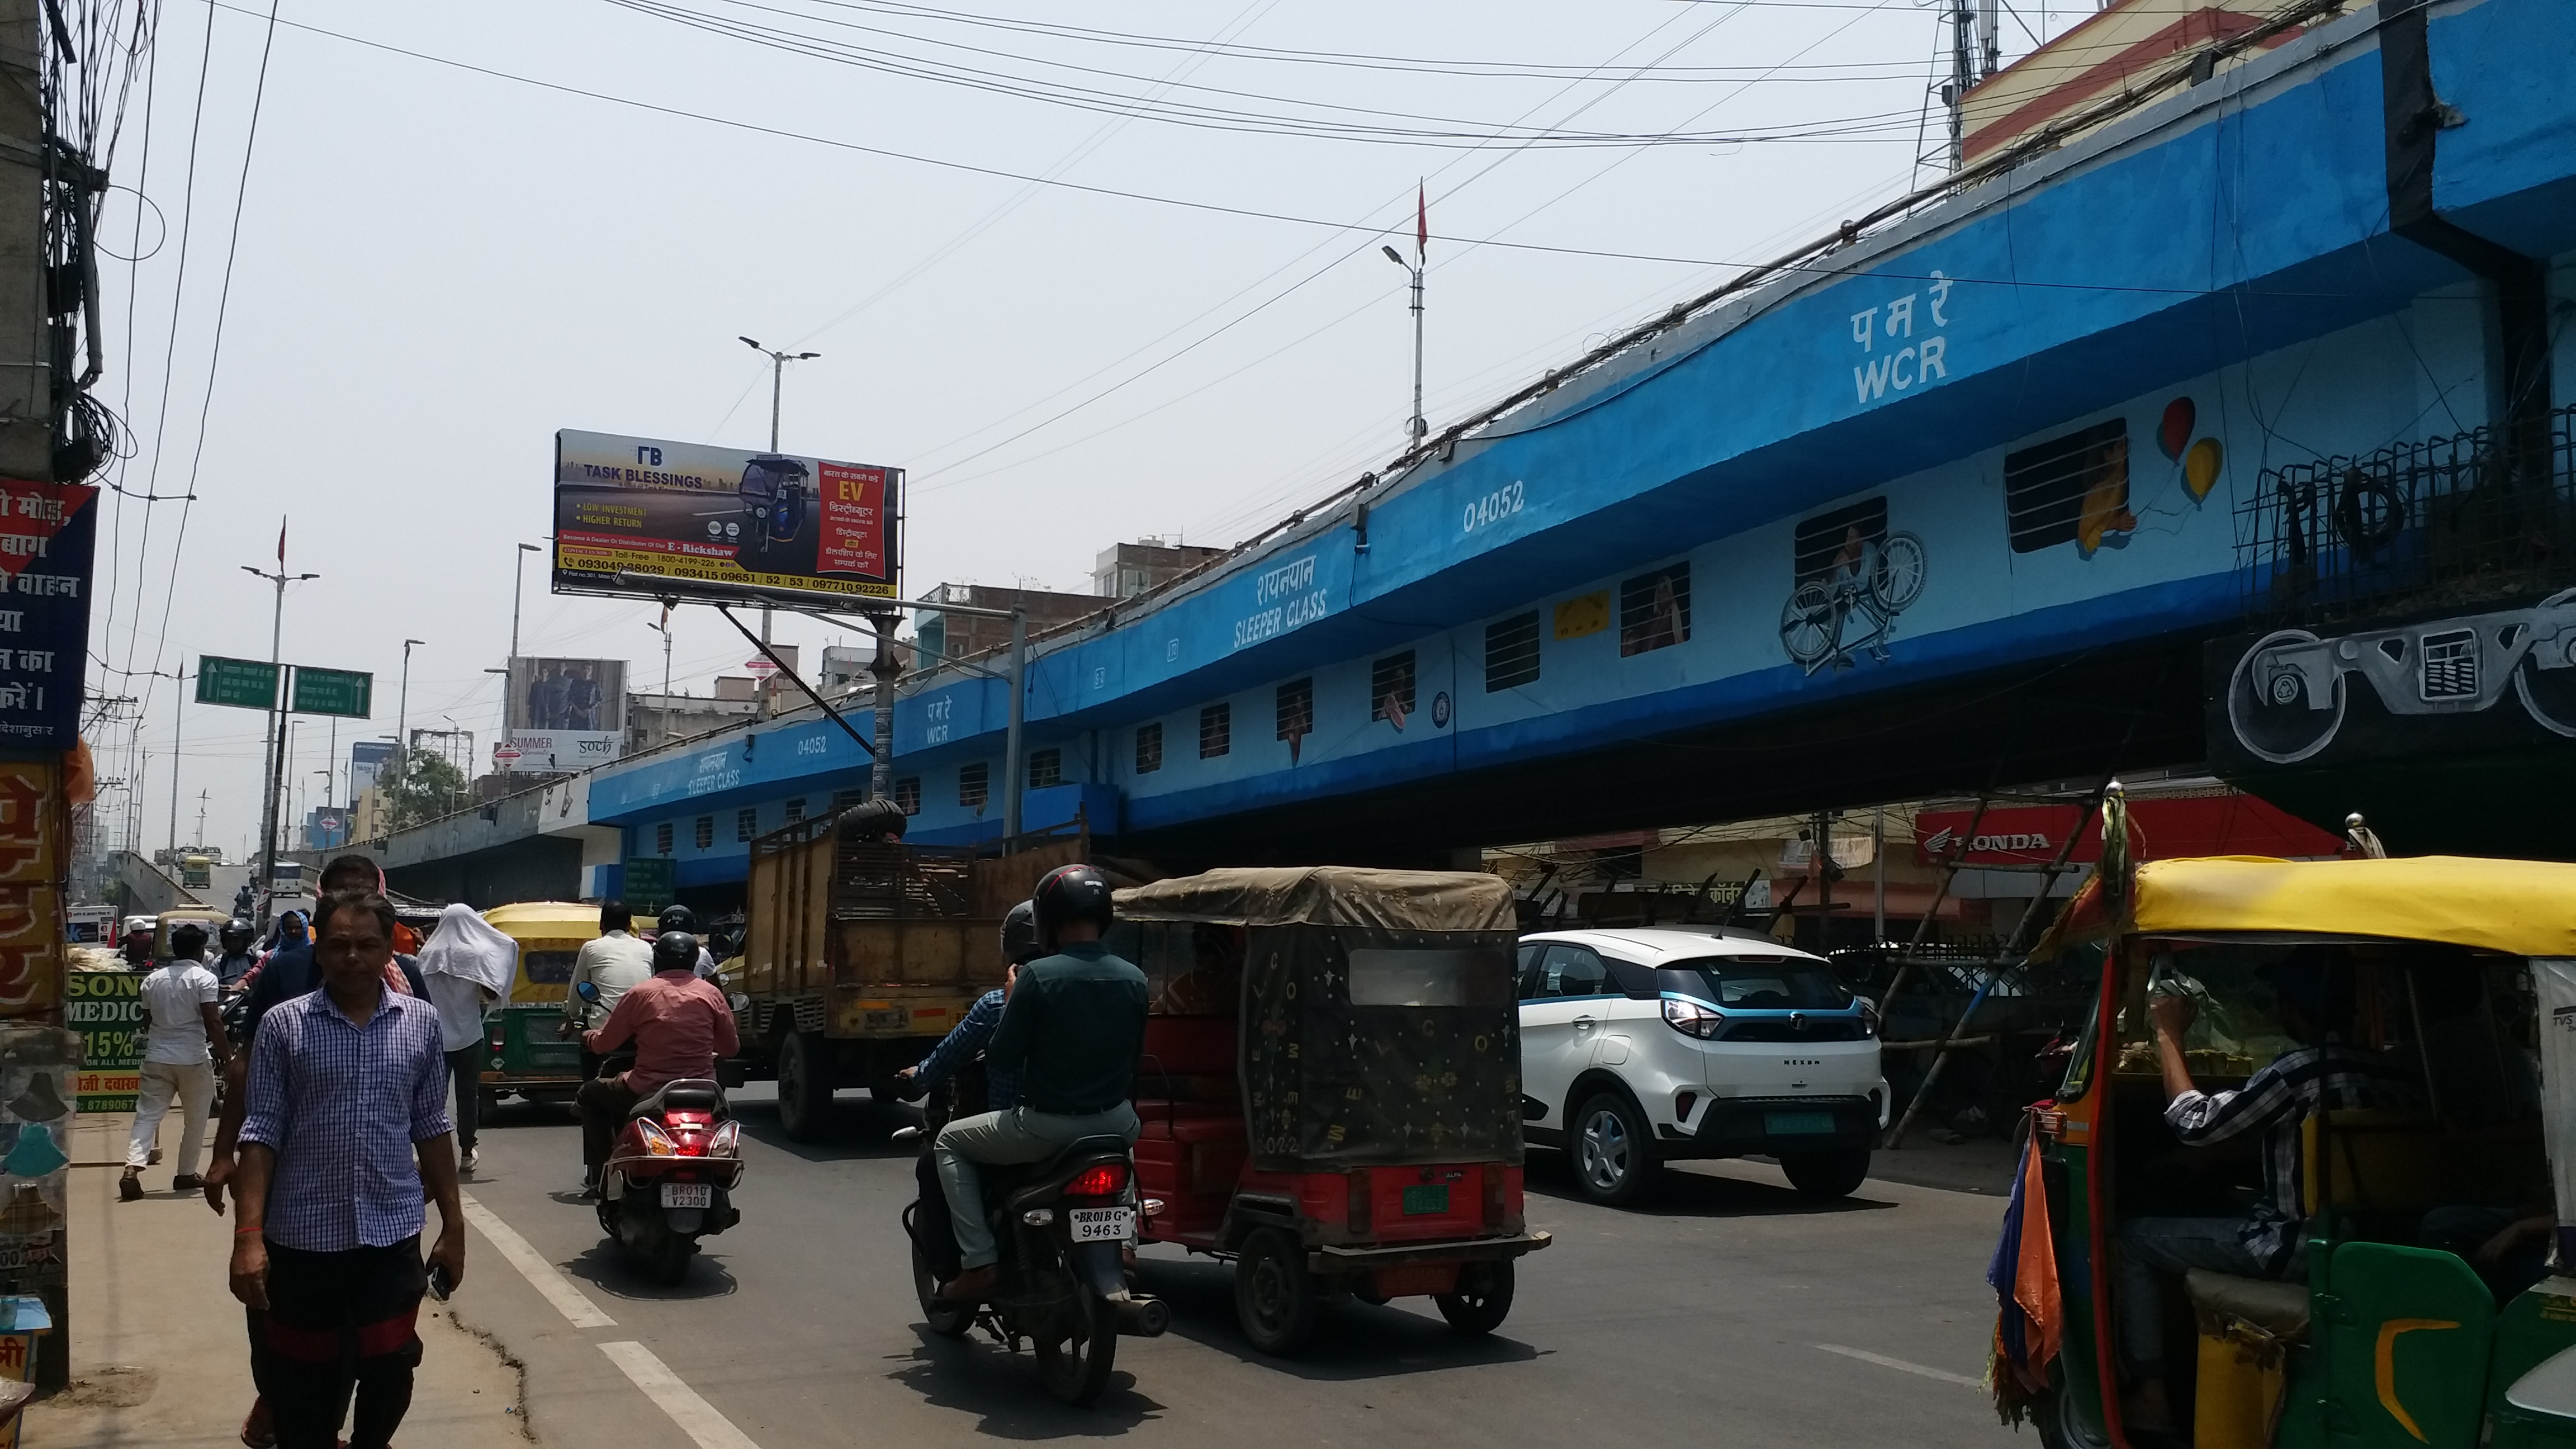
(727, 1142)
(1692, 1018)
(656, 1141)
(1102, 1180)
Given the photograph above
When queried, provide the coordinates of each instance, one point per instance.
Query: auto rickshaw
(527, 1057)
(2458, 982)
(1330, 1088)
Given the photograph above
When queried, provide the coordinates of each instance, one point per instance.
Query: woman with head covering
(467, 965)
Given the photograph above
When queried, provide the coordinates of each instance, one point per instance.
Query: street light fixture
(273, 752)
(1414, 428)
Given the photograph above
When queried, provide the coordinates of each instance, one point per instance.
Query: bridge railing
(2444, 521)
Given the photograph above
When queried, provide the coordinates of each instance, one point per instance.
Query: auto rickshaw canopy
(2519, 907)
(1328, 895)
(543, 926)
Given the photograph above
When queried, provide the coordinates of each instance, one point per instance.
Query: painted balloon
(2200, 467)
(2175, 430)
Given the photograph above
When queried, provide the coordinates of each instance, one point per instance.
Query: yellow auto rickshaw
(2450, 980)
(528, 1058)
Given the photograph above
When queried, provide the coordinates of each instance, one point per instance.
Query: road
(1704, 1314)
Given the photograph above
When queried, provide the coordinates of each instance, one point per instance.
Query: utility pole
(402, 716)
(1963, 74)
(881, 772)
(1014, 768)
(777, 381)
(277, 715)
(1415, 428)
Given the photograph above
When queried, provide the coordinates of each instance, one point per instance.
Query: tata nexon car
(1640, 1047)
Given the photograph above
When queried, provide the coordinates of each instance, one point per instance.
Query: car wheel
(1274, 1296)
(1614, 1156)
(1826, 1174)
(1483, 1299)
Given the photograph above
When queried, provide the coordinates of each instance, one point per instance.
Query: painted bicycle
(1871, 579)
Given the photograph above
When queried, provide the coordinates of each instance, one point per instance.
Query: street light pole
(402, 724)
(1414, 427)
(777, 383)
(276, 715)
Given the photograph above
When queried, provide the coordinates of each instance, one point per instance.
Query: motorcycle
(671, 1170)
(1063, 1227)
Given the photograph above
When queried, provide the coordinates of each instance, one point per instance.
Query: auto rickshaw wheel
(1614, 1155)
(1483, 1299)
(1275, 1297)
(804, 1086)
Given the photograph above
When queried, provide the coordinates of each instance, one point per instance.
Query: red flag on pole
(1421, 221)
(281, 545)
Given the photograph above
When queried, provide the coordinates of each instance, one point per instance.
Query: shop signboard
(367, 761)
(2165, 829)
(106, 1008)
(48, 536)
(678, 514)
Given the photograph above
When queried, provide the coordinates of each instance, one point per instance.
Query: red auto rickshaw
(1330, 1088)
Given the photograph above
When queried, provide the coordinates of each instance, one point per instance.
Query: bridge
(1963, 498)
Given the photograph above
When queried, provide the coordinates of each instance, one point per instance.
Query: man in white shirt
(616, 961)
(184, 1042)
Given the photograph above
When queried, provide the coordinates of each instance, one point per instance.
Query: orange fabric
(2035, 1276)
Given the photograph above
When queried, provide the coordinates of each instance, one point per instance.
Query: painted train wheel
(2269, 705)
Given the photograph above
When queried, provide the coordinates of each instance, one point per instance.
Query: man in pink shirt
(681, 1027)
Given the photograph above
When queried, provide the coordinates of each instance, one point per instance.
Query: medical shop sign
(106, 1008)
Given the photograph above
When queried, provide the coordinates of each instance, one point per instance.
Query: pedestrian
(468, 964)
(346, 1135)
(185, 1040)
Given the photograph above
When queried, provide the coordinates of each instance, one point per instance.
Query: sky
(1088, 271)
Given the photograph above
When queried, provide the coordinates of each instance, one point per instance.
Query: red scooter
(671, 1171)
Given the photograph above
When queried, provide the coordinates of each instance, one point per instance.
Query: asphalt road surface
(1728, 1310)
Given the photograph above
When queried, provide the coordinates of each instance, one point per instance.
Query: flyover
(1960, 501)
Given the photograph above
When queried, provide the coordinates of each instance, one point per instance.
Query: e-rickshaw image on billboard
(2308, 1178)
(1330, 1088)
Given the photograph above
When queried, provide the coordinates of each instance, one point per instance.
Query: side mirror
(587, 991)
(738, 1001)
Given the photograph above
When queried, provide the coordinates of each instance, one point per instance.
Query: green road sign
(650, 882)
(244, 683)
(334, 691)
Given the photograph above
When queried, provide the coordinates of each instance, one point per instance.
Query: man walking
(346, 1134)
(185, 1040)
(468, 964)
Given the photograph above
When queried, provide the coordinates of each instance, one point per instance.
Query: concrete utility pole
(1415, 428)
(276, 716)
(777, 381)
(881, 771)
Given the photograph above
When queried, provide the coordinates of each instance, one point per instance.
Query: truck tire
(806, 1073)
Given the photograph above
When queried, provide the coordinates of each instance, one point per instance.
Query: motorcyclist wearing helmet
(681, 1027)
(236, 957)
(677, 917)
(1071, 1027)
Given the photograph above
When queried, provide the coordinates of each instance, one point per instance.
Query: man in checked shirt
(348, 1091)
(2313, 986)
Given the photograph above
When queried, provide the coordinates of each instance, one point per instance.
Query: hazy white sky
(438, 267)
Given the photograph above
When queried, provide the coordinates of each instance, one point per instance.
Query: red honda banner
(2200, 825)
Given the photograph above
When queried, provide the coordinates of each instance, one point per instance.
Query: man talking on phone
(347, 1122)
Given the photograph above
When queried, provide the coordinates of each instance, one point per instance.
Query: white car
(1642, 1046)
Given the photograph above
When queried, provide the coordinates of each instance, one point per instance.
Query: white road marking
(696, 1417)
(1901, 1366)
(541, 1275)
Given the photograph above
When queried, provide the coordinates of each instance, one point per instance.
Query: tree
(425, 787)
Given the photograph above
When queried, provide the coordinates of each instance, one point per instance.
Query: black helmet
(236, 934)
(1020, 935)
(676, 917)
(1070, 893)
(675, 951)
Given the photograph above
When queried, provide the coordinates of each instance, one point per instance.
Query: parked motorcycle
(1063, 1227)
(671, 1171)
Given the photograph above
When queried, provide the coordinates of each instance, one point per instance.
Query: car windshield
(1757, 983)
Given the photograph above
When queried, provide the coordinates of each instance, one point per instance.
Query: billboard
(683, 511)
(367, 761)
(566, 714)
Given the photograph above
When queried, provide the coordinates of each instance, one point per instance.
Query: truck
(861, 951)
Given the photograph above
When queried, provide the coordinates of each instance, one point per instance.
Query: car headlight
(1692, 1018)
